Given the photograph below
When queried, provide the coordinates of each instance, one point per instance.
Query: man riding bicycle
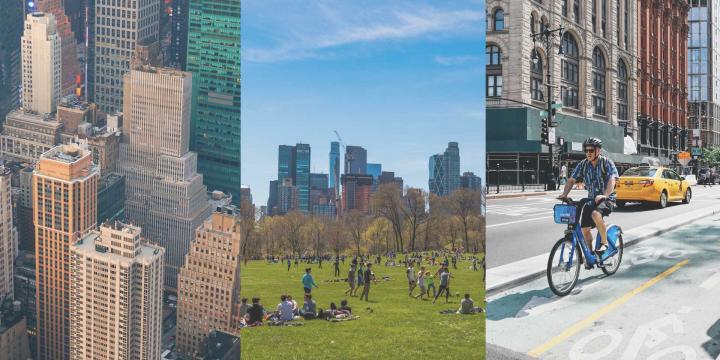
(599, 175)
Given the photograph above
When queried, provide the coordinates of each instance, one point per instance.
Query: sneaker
(601, 249)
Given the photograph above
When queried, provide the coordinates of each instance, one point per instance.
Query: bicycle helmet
(593, 141)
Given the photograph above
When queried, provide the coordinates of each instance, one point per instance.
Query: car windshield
(647, 172)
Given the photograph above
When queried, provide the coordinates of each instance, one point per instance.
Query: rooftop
(220, 344)
(8, 316)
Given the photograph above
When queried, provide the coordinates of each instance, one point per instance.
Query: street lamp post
(547, 38)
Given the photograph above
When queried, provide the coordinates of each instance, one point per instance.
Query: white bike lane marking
(712, 281)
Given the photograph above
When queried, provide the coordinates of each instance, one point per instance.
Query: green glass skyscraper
(213, 57)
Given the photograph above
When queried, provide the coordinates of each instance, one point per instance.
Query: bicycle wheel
(612, 264)
(561, 273)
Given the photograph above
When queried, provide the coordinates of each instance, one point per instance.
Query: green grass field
(399, 327)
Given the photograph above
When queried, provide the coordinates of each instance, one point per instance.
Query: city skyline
(399, 80)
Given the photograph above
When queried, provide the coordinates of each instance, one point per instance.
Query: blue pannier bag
(564, 213)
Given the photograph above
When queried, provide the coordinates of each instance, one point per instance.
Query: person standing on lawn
(367, 277)
(351, 281)
(444, 285)
(308, 281)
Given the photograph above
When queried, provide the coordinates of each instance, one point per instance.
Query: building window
(617, 22)
(565, 8)
(603, 11)
(570, 71)
(598, 81)
(494, 85)
(625, 19)
(536, 76)
(532, 23)
(499, 18)
(622, 113)
(493, 56)
(594, 15)
(576, 10)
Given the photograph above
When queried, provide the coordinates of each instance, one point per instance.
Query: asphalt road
(661, 304)
(520, 228)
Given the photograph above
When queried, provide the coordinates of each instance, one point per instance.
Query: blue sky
(400, 78)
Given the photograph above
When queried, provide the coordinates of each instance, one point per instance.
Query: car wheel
(663, 199)
(688, 196)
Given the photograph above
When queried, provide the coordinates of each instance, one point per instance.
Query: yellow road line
(582, 324)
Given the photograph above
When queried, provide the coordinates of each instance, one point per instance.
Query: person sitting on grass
(294, 304)
(309, 309)
(284, 309)
(467, 306)
(255, 313)
(344, 306)
(308, 281)
(243, 307)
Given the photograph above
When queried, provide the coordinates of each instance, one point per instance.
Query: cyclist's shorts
(605, 208)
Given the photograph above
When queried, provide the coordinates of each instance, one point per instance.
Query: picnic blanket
(351, 317)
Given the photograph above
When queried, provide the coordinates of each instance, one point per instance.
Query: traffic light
(544, 131)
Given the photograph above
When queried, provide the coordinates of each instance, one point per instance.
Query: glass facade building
(334, 164)
(704, 71)
(213, 57)
(11, 29)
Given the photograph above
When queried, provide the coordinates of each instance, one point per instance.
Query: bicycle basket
(564, 213)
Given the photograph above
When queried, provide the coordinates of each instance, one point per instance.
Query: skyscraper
(335, 168)
(41, 62)
(438, 178)
(179, 34)
(119, 26)
(116, 315)
(8, 235)
(704, 71)
(68, 53)
(65, 186)
(210, 300)
(355, 160)
(11, 29)
(451, 157)
(469, 180)
(165, 195)
(213, 56)
(375, 170)
(286, 162)
(356, 190)
(302, 176)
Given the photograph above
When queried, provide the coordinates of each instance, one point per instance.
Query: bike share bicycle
(563, 269)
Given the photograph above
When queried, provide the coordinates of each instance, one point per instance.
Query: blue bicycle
(563, 269)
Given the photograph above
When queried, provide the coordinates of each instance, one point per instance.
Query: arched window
(493, 77)
(499, 18)
(536, 76)
(598, 81)
(532, 23)
(622, 84)
(493, 56)
(570, 71)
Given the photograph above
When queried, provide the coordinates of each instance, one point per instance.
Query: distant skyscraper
(117, 315)
(469, 180)
(119, 27)
(286, 162)
(355, 160)
(302, 176)
(179, 34)
(335, 167)
(8, 236)
(356, 192)
(375, 170)
(444, 171)
(70, 65)
(272, 202)
(213, 56)
(64, 207)
(438, 178)
(41, 62)
(165, 195)
(210, 300)
(318, 181)
(246, 195)
(11, 30)
(287, 197)
(452, 166)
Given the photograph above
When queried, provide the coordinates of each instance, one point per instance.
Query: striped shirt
(593, 176)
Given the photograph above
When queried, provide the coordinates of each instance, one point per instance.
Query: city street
(519, 228)
(661, 304)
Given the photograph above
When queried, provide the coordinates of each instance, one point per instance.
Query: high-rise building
(451, 158)
(273, 197)
(335, 168)
(294, 164)
(26, 136)
(70, 66)
(213, 56)
(469, 180)
(111, 198)
(11, 30)
(318, 181)
(210, 300)
(662, 80)
(8, 235)
(41, 64)
(355, 160)
(116, 295)
(65, 186)
(13, 331)
(119, 26)
(23, 200)
(356, 190)
(179, 34)
(388, 177)
(286, 162)
(165, 195)
(438, 176)
(75, 11)
(246, 195)
(375, 170)
(287, 197)
(704, 71)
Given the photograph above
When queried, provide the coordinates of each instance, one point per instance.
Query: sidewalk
(506, 195)
(507, 276)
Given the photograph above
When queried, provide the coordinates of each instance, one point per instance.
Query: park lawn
(399, 327)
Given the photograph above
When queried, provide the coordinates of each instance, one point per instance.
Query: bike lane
(663, 303)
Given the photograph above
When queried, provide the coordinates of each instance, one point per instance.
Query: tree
(377, 231)
(336, 233)
(466, 205)
(414, 212)
(291, 225)
(388, 203)
(316, 229)
(247, 225)
(355, 223)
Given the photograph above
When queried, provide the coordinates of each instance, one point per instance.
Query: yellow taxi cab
(655, 184)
